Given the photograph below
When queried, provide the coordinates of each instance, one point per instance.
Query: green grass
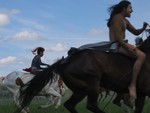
(7, 106)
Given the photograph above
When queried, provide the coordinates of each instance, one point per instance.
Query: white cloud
(4, 20)
(26, 35)
(9, 11)
(58, 47)
(7, 60)
(6, 14)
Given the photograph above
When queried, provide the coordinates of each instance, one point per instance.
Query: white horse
(52, 91)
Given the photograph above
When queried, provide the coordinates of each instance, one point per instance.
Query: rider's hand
(145, 25)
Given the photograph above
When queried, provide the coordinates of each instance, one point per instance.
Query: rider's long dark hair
(116, 9)
(33, 87)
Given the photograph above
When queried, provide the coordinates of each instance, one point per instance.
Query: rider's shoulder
(36, 57)
(118, 16)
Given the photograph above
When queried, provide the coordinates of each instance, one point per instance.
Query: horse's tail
(33, 87)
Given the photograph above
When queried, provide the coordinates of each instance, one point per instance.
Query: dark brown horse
(86, 71)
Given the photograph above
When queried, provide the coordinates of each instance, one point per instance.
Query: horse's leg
(117, 99)
(103, 96)
(127, 100)
(107, 93)
(93, 93)
(74, 100)
(15, 96)
(16, 99)
(49, 103)
(53, 92)
(59, 98)
(139, 103)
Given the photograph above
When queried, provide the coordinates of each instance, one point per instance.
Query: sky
(56, 25)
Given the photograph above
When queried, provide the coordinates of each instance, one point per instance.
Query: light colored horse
(52, 91)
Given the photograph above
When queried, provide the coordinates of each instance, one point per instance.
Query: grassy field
(7, 106)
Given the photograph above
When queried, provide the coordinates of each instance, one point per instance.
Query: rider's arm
(41, 63)
(135, 31)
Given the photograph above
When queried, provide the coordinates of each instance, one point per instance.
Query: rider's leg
(136, 70)
(140, 58)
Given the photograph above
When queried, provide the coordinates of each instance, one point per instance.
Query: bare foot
(132, 91)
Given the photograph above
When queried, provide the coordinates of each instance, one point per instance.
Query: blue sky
(55, 25)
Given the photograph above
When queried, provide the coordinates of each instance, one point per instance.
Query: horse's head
(145, 46)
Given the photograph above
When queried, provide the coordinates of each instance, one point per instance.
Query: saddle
(27, 69)
(107, 46)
